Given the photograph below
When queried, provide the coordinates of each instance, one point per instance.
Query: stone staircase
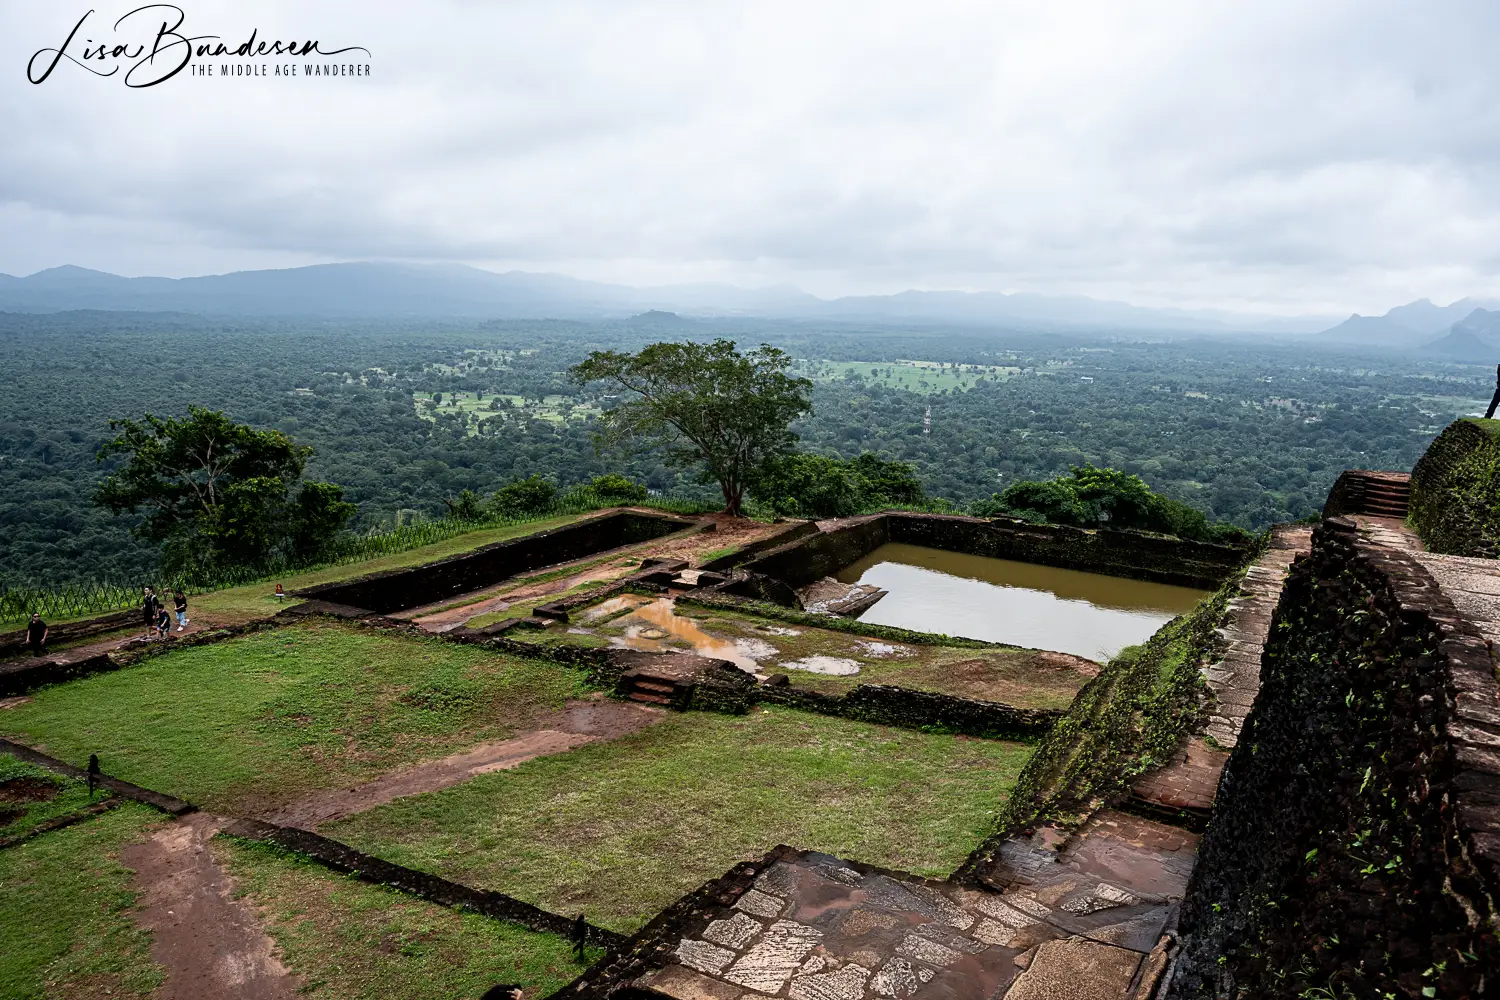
(663, 679)
(643, 687)
(1374, 494)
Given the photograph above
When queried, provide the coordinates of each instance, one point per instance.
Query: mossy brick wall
(1354, 849)
(398, 590)
(823, 554)
(910, 709)
(1132, 554)
(1129, 719)
(1455, 490)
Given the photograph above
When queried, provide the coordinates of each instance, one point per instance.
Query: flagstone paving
(816, 927)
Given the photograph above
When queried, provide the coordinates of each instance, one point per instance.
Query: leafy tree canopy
(809, 485)
(217, 493)
(1091, 496)
(704, 404)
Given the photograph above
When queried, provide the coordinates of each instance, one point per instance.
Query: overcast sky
(1288, 157)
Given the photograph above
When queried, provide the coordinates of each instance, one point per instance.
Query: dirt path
(578, 723)
(211, 945)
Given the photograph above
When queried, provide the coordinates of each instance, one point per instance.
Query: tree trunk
(733, 495)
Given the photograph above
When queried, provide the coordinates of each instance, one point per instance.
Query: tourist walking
(179, 599)
(149, 608)
(163, 622)
(36, 634)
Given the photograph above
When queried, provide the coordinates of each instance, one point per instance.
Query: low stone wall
(1455, 490)
(400, 589)
(1354, 849)
(1132, 554)
(911, 709)
(168, 804)
(434, 889)
(792, 532)
(715, 598)
(800, 562)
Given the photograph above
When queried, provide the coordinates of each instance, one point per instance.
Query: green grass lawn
(66, 929)
(619, 830)
(257, 600)
(348, 940)
(68, 795)
(253, 722)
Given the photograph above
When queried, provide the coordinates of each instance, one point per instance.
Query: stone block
(734, 932)
(770, 963)
(847, 983)
(1076, 969)
(703, 956)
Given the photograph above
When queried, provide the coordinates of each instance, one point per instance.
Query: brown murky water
(999, 600)
(663, 630)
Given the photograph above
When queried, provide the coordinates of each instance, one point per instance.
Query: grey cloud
(1293, 156)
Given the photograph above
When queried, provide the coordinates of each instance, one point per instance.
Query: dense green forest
(405, 417)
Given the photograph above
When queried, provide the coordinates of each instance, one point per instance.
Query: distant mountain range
(1467, 330)
(386, 290)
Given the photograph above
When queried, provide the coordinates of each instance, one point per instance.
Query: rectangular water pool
(1000, 600)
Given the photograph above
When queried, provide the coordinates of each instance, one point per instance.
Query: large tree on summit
(705, 404)
(216, 493)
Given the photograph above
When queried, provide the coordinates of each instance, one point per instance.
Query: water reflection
(999, 600)
(661, 625)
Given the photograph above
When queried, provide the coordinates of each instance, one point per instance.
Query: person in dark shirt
(149, 607)
(179, 600)
(36, 634)
(163, 622)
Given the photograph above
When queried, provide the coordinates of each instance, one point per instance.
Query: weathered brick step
(646, 696)
(662, 687)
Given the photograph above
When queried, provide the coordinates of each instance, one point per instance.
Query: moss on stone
(1455, 490)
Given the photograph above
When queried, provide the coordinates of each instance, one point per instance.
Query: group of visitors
(155, 612)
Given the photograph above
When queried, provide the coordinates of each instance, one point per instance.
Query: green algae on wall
(1352, 850)
(1455, 490)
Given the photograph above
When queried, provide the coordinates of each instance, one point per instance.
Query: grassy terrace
(66, 928)
(351, 941)
(241, 604)
(30, 796)
(619, 830)
(253, 722)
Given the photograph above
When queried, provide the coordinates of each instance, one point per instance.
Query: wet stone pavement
(815, 927)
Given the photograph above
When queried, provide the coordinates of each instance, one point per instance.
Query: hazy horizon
(1261, 159)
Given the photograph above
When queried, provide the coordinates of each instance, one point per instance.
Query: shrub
(808, 485)
(533, 495)
(467, 506)
(616, 489)
(1089, 497)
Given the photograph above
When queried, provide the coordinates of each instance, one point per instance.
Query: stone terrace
(1082, 913)
(814, 927)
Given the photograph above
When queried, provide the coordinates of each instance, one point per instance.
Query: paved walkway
(816, 927)
(1235, 680)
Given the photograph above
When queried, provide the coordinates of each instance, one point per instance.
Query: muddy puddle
(999, 600)
(655, 627)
